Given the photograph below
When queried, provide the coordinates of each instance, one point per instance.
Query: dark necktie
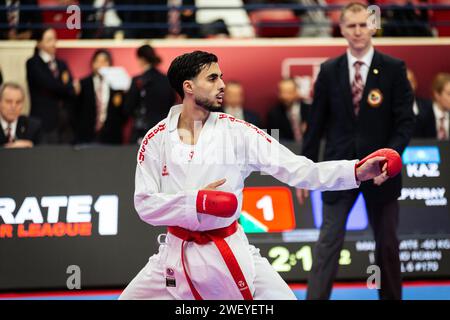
(9, 137)
(442, 133)
(357, 87)
(53, 68)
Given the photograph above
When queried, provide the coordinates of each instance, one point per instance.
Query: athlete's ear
(188, 86)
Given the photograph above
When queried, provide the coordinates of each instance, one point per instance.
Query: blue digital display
(421, 154)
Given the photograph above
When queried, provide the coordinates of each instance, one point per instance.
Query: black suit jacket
(26, 18)
(86, 115)
(51, 98)
(425, 120)
(252, 118)
(278, 119)
(27, 129)
(151, 92)
(389, 125)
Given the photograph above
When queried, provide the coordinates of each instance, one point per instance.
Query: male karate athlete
(190, 175)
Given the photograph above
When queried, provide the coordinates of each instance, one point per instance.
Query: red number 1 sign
(267, 209)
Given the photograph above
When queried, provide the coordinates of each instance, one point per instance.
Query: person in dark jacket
(290, 115)
(433, 116)
(99, 110)
(234, 104)
(423, 111)
(18, 23)
(150, 96)
(52, 90)
(362, 102)
(17, 131)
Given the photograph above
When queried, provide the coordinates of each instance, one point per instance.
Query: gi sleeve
(268, 155)
(155, 207)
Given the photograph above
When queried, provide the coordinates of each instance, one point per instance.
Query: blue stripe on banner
(422, 154)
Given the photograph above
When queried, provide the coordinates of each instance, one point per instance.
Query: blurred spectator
(99, 110)
(182, 23)
(171, 22)
(150, 96)
(421, 107)
(234, 103)
(17, 131)
(235, 18)
(215, 29)
(104, 21)
(19, 21)
(434, 122)
(290, 115)
(142, 17)
(315, 22)
(52, 90)
(402, 19)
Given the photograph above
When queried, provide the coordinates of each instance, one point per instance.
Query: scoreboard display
(424, 228)
(65, 206)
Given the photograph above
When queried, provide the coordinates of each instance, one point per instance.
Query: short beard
(208, 105)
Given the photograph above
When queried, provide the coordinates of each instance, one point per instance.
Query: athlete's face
(208, 88)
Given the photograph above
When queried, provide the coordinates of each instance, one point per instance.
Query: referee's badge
(117, 100)
(375, 98)
(65, 77)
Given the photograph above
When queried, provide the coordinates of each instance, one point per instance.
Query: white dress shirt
(236, 112)
(101, 89)
(438, 114)
(45, 56)
(367, 61)
(294, 112)
(5, 125)
(415, 107)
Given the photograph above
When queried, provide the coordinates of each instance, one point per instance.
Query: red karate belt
(218, 237)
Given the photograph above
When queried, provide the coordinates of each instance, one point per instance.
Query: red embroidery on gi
(151, 134)
(165, 172)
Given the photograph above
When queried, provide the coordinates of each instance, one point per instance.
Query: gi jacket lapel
(203, 151)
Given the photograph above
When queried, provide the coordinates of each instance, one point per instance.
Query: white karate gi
(169, 174)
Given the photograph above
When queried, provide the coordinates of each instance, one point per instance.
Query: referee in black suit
(362, 102)
(52, 90)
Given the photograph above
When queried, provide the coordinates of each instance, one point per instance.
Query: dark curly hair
(187, 67)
